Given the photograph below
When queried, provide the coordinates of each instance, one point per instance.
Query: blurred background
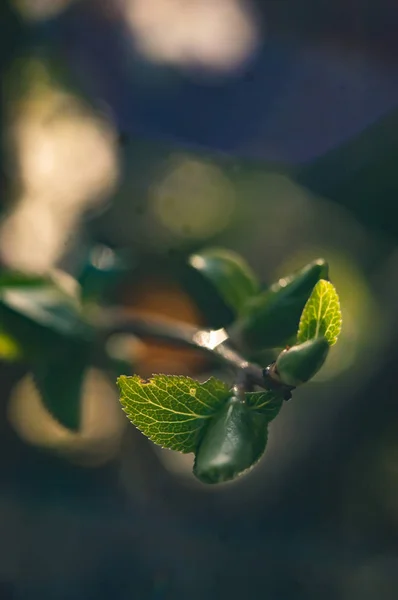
(149, 129)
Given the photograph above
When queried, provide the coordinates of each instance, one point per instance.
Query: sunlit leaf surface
(321, 316)
(172, 410)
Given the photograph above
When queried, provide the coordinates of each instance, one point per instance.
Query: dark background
(288, 155)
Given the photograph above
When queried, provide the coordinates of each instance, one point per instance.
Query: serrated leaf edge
(194, 416)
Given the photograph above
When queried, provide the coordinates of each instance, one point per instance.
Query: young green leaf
(321, 316)
(172, 410)
(221, 282)
(270, 319)
(233, 441)
(301, 362)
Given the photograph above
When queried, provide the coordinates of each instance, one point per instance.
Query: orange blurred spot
(165, 299)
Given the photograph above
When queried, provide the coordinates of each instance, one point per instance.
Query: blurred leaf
(60, 383)
(271, 318)
(102, 271)
(301, 362)
(221, 282)
(171, 410)
(233, 441)
(10, 350)
(36, 315)
(45, 306)
(17, 279)
(321, 316)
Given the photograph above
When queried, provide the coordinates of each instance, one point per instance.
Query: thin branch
(116, 321)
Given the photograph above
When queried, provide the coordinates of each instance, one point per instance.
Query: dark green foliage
(227, 430)
(301, 362)
(233, 441)
(60, 383)
(38, 314)
(271, 318)
(60, 334)
(221, 283)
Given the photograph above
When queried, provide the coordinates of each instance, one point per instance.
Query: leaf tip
(120, 380)
(323, 267)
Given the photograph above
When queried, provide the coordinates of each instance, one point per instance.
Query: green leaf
(37, 315)
(270, 319)
(60, 382)
(233, 441)
(301, 362)
(267, 402)
(172, 410)
(45, 306)
(12, 349)
(321, 316)
(220, 282)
